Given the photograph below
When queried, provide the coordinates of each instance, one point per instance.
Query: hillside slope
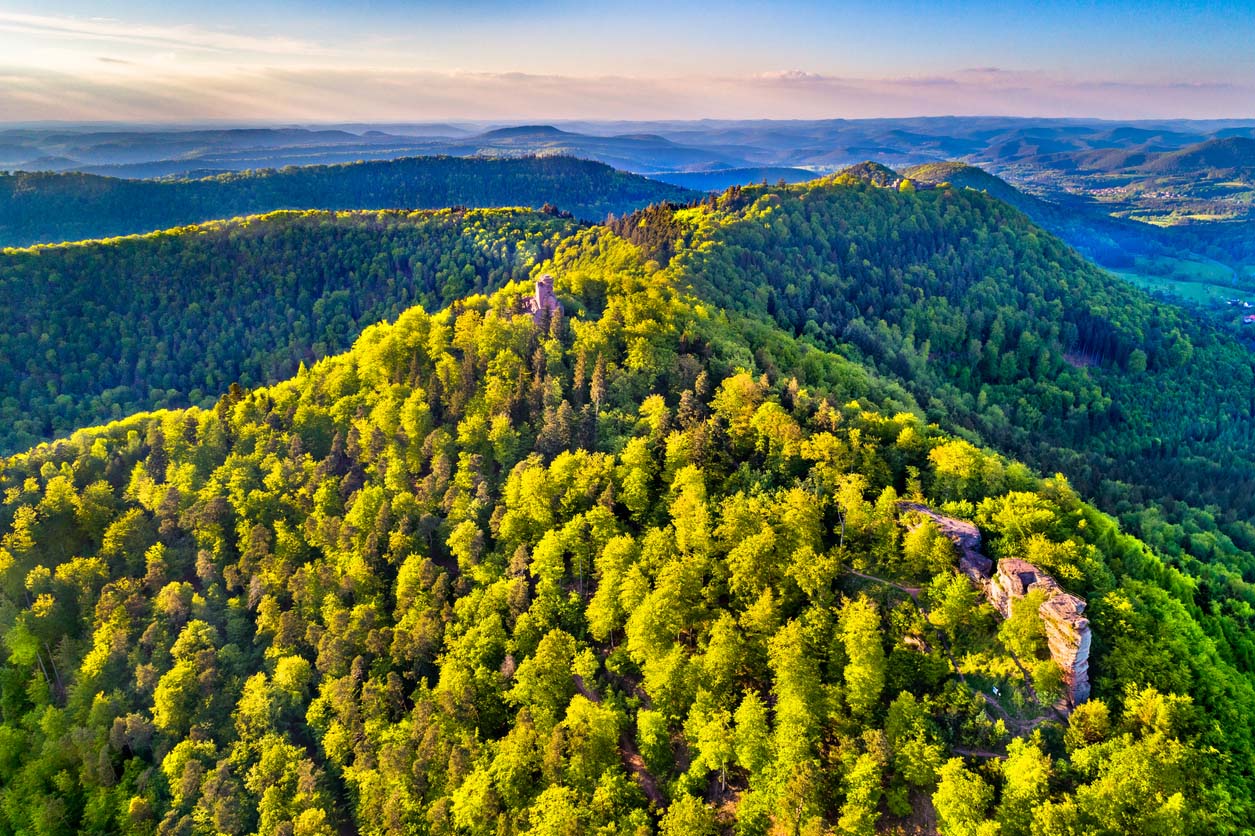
(972, 177)
(48, 207)
(1112, 242)
(1226, 156)
(1232, 156)
(481, 575)
(997, 328)
(106, 328)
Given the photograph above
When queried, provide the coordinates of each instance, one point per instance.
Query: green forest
(646, 565)
(1112, 240)
(41, 207)
(1002, 333)
(172, 318)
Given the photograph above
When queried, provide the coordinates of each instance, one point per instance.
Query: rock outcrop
(965, 536)
(1067, 630)
(1062, 613)
(544, 303)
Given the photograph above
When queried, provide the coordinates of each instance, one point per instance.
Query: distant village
(1249, 319)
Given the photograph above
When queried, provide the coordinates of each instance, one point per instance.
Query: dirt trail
(628, 753)
(913, 591)
(978, 753)
(1020, 728)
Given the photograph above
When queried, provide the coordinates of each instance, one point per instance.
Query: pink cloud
(369, 93)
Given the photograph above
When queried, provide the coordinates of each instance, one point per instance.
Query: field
(1200, 282)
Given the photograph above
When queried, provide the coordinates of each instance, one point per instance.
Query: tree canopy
(639, 565)
(483, 575)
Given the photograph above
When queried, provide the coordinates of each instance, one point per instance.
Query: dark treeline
(103, 329)
(40, 207)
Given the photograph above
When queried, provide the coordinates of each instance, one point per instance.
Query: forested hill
(101, 329)
(994, 326)
(972, 177)
(1110, 241)
(51, 207)
(998, 328)
(481, 575)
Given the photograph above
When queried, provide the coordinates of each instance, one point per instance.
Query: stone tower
(543, 303)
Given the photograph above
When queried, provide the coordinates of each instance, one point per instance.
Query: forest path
(1018, 727)
(977, 753)
(628, 753)
(913, 591)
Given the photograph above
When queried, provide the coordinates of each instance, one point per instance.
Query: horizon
(320, 62)
(568, 124)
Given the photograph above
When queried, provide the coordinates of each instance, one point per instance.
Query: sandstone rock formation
(544, 303)
(966, 537)
(1062, 613)
(1067, 629)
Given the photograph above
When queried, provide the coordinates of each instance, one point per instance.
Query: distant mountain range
(166, 153)
(641, 147)
(1164, 199)
(1227, 154)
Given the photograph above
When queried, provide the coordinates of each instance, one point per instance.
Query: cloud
(171, 37)
(794, 76)
(156, 93)
(90, 68)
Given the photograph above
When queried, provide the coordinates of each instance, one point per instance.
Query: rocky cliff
(1067, 629)
(965, 536)
(1062, 613)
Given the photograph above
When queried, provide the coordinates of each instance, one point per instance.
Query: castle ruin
(543, 304)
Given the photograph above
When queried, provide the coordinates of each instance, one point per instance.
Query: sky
(159, 61)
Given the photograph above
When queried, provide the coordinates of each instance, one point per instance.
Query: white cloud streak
(261, 78)
(108, 30)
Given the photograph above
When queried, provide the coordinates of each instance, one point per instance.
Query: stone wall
(1062, 613)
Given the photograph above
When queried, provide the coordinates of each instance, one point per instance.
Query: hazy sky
(318, 60)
